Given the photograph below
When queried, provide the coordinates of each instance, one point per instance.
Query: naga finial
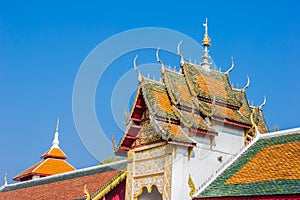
(126, 117)
(264, 103)
(232, 66)
(114, 144)
(179, 53)
(159, 60)
(140, 78)
(247, 85)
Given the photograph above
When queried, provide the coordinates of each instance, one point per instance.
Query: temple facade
(191, 135)
(181, 129)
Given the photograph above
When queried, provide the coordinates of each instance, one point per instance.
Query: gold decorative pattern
(149, 167)
(192, 186)
(86, 192)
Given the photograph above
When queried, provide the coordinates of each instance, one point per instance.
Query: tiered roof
(270, 166)
(53, 162)
(186, 103)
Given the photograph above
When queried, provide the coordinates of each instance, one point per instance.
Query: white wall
(204, 162)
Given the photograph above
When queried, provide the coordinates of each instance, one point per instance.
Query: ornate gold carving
(190, 151)
(192, 186)
(150, 167)
(148, 133)
(86, 192)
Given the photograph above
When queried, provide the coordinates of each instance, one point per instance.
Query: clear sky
(42, 46)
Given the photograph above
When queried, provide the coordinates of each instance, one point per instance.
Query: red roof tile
(65, 189)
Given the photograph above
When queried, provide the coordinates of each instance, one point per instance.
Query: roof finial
(247, 85)
(114, 144)
(264, 103)
(55, 141)
(5, 179)
(206, 40)
(179, 53)
(140, 78)
(57, 125)
(232, 66)
(206, 43)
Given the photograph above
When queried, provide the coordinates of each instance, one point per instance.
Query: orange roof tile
(49, 166)
(52, 166)
(174, 130)
(28, 171)
(54, 153)
(260, 169)
(163, 101)
(184, 92)
(212, 86)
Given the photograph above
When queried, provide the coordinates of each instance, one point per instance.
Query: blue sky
(42, 46)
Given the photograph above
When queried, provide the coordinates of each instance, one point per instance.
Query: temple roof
(186, 103)
(260, 120)
(269, 166)
(69, 185)
(210, 84)
(53, 162)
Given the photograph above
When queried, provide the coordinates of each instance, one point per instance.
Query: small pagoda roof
(53, 162)
(270, 165)
(54, 153)
(49, 166)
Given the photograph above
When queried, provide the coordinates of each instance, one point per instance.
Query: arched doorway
(153, 195)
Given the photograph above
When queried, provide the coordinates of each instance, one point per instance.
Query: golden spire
(206, 43)
(206, 40)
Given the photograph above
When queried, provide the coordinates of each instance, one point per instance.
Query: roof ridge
(42, 162)
(175, 72)
(279, 133)
(200, 67)
(149, 79)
